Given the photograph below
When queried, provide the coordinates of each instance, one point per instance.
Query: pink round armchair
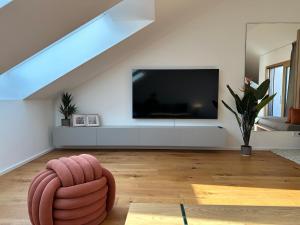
(71, 191)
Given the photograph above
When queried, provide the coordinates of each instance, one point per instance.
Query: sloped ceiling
(78, 47)
(170, 14)
(27, 26)
(263, 38)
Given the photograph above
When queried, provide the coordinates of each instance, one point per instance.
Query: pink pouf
(71, 191)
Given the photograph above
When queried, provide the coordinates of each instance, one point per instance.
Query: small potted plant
(248, 108)
(67, 108)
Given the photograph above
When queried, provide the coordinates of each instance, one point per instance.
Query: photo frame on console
(92, 120)
(79, 120)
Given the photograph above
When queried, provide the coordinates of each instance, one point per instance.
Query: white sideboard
(179, 136)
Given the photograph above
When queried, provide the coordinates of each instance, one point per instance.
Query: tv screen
(173, 93)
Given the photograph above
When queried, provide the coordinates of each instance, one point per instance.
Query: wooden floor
(204, 177)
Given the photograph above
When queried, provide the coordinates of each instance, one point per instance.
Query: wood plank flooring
(190, 177)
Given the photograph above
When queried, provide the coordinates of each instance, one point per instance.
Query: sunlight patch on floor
(236, 195)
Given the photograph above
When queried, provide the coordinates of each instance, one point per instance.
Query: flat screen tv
(175, 93)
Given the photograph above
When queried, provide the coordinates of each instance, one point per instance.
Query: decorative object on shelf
(289, 117)
(79, 120)
(295, 116)
(92, 120)
(248, 108)
(67, 108)
(73, 190)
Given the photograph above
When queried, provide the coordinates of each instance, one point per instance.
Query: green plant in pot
(67, 108)
(247, 109)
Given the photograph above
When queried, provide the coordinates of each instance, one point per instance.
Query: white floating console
(200, 136)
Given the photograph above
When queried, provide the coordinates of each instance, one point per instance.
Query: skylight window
(4, 3)
(76, 48)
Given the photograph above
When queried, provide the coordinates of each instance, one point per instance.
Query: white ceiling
(27, 26)
(262, 39)
(83, 44)
(169, 15)
(31, 25)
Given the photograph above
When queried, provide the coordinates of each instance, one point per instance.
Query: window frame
(286, 65)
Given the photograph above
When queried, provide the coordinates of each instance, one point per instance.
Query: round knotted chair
(71, 191)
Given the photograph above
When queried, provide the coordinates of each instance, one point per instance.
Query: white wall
(25, 130)
(206, 36)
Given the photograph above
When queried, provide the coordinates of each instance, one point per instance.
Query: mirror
(273, 52)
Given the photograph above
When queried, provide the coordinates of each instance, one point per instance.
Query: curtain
(297, 74)
(293, 98)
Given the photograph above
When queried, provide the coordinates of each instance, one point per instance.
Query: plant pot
(246, 150)
(66, 122)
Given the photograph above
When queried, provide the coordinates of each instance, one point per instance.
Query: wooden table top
(172, 214)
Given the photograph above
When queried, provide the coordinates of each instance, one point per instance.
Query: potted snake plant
(247, 109)
(67, 108)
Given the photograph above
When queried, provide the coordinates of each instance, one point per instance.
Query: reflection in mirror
(273, 52)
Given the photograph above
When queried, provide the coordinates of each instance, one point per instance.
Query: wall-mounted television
(175, 93)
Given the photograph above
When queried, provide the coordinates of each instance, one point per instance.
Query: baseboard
(162, 148)
(16, 165)
(230, 148)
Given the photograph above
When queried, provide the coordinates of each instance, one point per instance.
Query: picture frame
(92, 120)
(79, 120)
